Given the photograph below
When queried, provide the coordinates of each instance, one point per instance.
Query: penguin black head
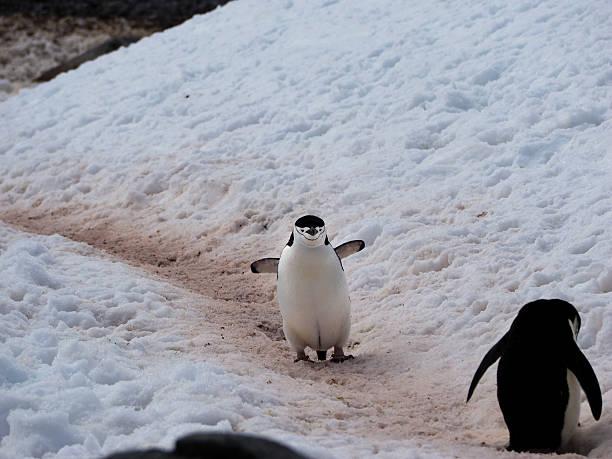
(547, 319)
(309, 230)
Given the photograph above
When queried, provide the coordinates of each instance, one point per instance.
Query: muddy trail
(386, 394)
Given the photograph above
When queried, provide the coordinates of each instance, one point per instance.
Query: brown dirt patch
(385, 393)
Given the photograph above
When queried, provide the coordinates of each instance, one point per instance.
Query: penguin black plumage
(540, 366)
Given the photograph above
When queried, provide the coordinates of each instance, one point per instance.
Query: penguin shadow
(582, 443)
(343, 374)
(586, 439)
(360, 361)
(273, 330)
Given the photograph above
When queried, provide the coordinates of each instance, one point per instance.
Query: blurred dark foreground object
(217, 446)
(71, 64)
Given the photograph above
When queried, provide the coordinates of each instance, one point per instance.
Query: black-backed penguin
(537, 389)
(312, 290)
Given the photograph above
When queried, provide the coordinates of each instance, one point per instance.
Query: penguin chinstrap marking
(312, 289)
(539, 375)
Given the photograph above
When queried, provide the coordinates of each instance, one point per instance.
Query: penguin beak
(311, 231)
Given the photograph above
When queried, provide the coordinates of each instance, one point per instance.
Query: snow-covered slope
(467, 144)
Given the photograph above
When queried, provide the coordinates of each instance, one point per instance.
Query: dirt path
(385, 394)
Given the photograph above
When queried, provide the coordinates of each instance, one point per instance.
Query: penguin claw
(340, 358)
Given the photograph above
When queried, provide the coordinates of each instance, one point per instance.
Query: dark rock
(71, 64)
(159, 14)
(217, 446)
(36, 35)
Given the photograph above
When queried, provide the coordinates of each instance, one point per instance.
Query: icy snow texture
(80, 338)
(467, 144)
(90, 362)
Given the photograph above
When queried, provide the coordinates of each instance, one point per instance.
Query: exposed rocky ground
(36, 36)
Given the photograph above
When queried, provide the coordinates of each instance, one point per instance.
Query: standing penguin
(312, 289)
(537, 388)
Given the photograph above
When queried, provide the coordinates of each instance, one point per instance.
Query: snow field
(85, 374)
(267, 102)
(75, 331)
(467, 144)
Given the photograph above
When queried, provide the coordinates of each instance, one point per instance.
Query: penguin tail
(322, 355)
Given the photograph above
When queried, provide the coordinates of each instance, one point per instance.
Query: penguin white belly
(313, 298)
(572, 412)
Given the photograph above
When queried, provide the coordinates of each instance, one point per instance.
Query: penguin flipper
(580, 366)
(489, 359)
(265, 265)
(349, 248)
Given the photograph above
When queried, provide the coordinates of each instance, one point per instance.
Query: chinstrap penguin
(539, 376)
(312, 289)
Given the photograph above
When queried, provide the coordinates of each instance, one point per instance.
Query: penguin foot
(301, 356)
(340, 358)
(339, 355)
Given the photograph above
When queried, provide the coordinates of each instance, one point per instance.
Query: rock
(159, 14)
(71, 64)
(5, 86)
(38, 35)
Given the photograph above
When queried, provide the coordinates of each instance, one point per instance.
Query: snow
(467, 143)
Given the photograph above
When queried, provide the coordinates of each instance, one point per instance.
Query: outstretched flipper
(578, 364)
(489, 359)
(265, 265)
(349, 248)
(270, 265)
